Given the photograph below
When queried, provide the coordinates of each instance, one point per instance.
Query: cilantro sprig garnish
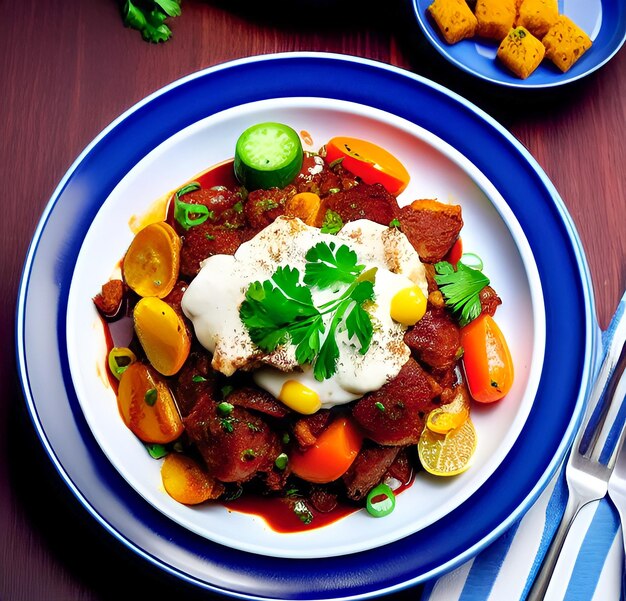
(148, 17)
(281, 310)
(461, 289)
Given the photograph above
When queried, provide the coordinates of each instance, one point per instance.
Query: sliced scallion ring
(380, 501)
(472, 260)
(119, 359)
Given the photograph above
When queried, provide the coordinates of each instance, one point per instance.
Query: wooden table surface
(68, 68)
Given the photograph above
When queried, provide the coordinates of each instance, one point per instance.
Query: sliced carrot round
(152, 261)
(147, 406)
(331, 455)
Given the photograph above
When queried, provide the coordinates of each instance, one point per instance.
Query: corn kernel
(408, 306)
(299, 397)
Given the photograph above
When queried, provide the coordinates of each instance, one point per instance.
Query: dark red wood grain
(69, 67)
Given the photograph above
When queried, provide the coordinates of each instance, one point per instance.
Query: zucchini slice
(268, 155)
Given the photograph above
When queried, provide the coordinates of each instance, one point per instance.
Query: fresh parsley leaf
(326, 268)
(170, 7)
(359, 324)
(275, 307)
(281, 310)
(461, 289)
(149, 17)
(332, 222)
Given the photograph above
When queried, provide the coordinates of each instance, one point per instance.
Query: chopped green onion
(248, 454)
(184, 213)
(281, 461)
(303, 512)
(151, 396)
(380, 501)
(191, 187)
(198, 378)
(395, 223)
(332, 222)
(157, 451)
(225, 408)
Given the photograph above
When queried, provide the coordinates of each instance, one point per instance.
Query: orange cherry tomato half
(486, 359)
(331, 455)
(373, 164)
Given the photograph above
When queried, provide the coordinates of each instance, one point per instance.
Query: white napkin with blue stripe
(590, 566)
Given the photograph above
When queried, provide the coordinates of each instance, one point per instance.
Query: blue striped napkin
(591, 563)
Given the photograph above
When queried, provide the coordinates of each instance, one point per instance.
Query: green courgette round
(268, 155)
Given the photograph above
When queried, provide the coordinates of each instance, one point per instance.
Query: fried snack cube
(538, 16)
(454, 19)
(521, 52)
(495, 18)
(565, 43)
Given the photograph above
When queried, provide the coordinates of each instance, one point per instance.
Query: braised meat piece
(401, 469)
(432, 227)
(435, 340)
(205, 240)
(307, 429)
(322, 499)
(263, 206)
(195, 379)
(489, 300)
(236, 446)
(175, 297)
(109, 300)
(368, 470)
(258, 400)
(316, 177)
(394, 414)
(364, 201)
(225, 206)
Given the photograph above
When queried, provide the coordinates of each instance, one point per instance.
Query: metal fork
(594, 450)
(617, 485)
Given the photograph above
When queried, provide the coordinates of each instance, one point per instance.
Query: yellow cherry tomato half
(152, 261)
(486, 359)
(162, 334)
(373, 164)
(331, 455)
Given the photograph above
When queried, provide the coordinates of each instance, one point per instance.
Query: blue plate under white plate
(603, 20)
(507, 186)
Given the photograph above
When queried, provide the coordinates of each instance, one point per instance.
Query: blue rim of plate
(63, 431)
(474, 57)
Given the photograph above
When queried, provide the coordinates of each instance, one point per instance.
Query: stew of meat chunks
(245, 444)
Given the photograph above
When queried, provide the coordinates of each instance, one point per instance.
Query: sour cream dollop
(213, 298)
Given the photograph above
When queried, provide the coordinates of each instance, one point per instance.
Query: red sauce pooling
(279, 515)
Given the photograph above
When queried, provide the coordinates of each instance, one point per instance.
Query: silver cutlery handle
(542, 581)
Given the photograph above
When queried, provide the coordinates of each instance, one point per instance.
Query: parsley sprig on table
(281, 310)
(461, 289)
(148, 17)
